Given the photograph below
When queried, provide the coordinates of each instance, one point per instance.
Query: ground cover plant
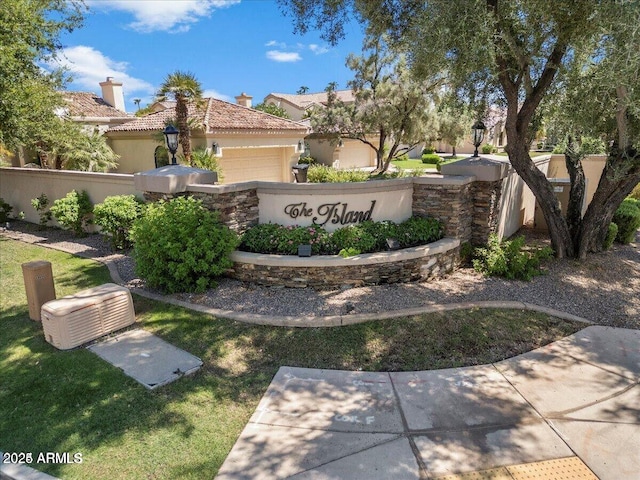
(72, 401)
(365, 237)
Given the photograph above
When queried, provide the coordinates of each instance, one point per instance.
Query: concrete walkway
(570, 410)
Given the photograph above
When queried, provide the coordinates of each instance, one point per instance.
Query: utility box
(38, 284)
(561, 188)
(76, 319)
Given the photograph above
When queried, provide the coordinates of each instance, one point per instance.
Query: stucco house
(98, 113)
(348, 154)
(252, 145)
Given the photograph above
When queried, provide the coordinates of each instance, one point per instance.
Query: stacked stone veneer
(467, 203)
(409, 265)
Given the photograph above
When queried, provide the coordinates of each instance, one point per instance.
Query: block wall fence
(473, 198)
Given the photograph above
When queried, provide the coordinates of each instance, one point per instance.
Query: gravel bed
(604, 289)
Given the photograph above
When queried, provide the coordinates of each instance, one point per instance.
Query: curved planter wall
(407, 265)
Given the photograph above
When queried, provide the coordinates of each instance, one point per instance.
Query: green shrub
(277, 239)
(488, 149)
(308, 160)
(612, 232)
(431, 159)
(428, 150)
(381, 232)
(349, 252)
(5, 211)
(509, 259)
(354, 237)
(206, 159)
(419, 231)
(627, 217)
(326, 174)
(467, 252)
(116, 215)
(73, 212)
(365, 237)
(180, 246)
(40, 204)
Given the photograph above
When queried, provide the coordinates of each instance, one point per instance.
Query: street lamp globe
(171, 136)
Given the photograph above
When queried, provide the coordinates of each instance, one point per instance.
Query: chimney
(244, 100)
(112, 94)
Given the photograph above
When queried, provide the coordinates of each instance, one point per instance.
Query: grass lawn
(72, 401)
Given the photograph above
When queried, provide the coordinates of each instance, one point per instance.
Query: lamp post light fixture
(171, 135)
(478, 130)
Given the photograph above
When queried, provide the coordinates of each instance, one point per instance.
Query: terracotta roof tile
(216, 115)
(306, 100)
(87, 104)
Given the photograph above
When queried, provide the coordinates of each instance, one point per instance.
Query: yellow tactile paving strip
(569, 468)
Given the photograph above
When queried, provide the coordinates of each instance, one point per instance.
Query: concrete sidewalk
(569, 410)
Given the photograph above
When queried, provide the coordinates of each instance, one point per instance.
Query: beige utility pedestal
(38, 283)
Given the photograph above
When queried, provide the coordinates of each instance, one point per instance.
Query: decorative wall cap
(485, 169)
(434, 248)
(172, 179)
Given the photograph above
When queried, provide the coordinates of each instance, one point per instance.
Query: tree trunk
(573, 160)
(453, 151)
(182, 119)
(541, 187)
(614, 186)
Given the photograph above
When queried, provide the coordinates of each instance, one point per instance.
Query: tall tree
(185, 90)
(454, 123)
(392, 110)
(30, 33)
(272, 109)
(517, 53)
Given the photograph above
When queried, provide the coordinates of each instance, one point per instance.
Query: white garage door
(355, 154)
(243, 165)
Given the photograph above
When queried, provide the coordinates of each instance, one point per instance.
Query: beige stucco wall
(353, 153)
(593, 166)
(294, 112)
(136, 151)
(20, 185)
(299, 204)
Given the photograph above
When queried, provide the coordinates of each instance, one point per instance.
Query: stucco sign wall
(334, 206)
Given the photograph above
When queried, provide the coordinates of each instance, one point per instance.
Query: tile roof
(215, 115)
(306, 100)
(87, 104)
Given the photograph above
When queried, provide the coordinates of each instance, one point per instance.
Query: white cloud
(318, 49)
(210, 92)
(278, 56)
(161, 15)
(89, 67)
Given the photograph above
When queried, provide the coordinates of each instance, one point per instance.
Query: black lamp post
(171, 136)
(478, 130)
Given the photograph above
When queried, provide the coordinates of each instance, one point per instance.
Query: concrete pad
(623, 407)
(613, 349)
(391, 460)
(491, 474)
(146, 358)
(264, 451)
(330, 400)
(452, 399)
(555, 383)
(446, 453)
(610, 450)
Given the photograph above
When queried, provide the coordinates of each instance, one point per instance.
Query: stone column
(486, 191)
(449, 199)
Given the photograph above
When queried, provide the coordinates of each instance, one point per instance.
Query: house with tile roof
(253, 145)
(95, 112)
(348, 153)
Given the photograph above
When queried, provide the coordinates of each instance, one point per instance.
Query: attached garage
(254, 145)
(245, 164)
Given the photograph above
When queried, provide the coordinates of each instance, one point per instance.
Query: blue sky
(231, 46)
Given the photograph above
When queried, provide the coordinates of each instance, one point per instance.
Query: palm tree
(184, 88)
(137, 102)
